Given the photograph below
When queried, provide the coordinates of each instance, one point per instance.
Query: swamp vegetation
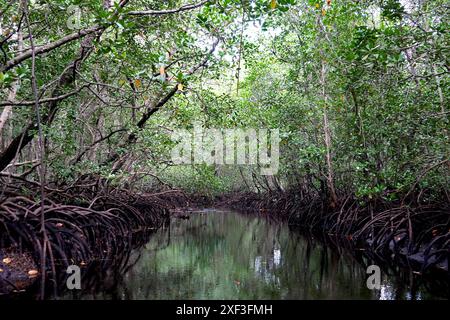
(91, 93)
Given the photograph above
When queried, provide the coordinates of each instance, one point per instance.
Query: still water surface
(226, 255)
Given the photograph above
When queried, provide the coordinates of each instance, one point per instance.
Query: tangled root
(84, 222)
(420, 233)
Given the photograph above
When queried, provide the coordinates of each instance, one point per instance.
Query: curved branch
(168, 11)
(80, 156)
(45, 100)
(93, 29)
(38, 50)
(49, 47)
(155, 106)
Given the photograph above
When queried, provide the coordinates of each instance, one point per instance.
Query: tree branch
(48, 47)
(168, 11)
(45, 100)
(38, 50)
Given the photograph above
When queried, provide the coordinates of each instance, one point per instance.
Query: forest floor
(17, 271)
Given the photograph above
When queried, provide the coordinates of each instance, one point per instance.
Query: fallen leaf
(6, 260)
(273, 4)
(33, 273)
(137, 83)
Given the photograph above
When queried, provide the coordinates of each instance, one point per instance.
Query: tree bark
(327, 139)
(7, 111)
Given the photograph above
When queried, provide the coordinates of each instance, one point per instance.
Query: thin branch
(45, 100)
(80, 156)
(24, 163)
(41, 148)
(423, 174)
(168, 11)
(132, 137)
(48, 47)
(56, 44)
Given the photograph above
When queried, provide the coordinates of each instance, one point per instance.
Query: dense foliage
(358, 90)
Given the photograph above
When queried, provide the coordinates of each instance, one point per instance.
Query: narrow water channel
(226, 255)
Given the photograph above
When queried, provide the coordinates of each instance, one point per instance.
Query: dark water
(225, 255)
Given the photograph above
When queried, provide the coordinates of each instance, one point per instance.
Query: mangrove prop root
(86, 221)
(421, 233)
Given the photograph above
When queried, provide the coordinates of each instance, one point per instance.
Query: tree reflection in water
(225, 255)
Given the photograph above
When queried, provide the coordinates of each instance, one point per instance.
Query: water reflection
(224, 255)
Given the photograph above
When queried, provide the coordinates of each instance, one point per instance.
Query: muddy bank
(17, 271)
(413, 236)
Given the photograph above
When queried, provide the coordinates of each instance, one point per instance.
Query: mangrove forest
(224, 149)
